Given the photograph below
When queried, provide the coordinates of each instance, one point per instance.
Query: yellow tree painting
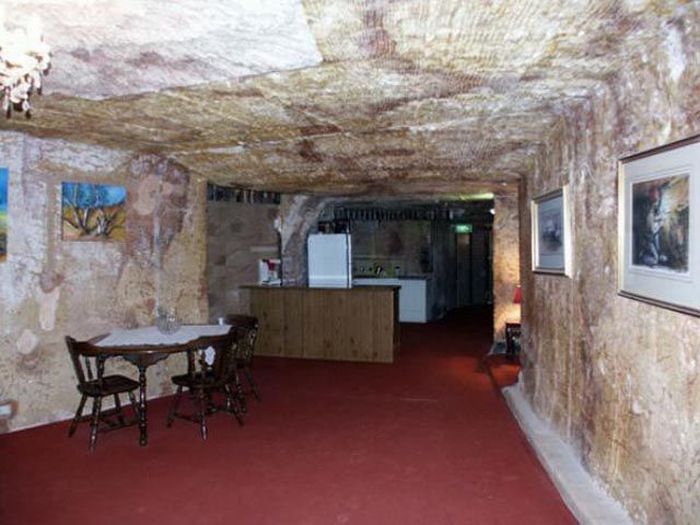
(3, 213)
(93, 212)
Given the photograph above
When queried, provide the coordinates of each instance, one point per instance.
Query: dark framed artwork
(658, 238)
(551, 233)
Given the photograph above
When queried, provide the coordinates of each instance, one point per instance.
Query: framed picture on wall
(93, 212)
(659, 234)
(551, 233)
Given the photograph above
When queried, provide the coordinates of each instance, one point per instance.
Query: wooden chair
(248, 325)
(209, 365)
(86, 356)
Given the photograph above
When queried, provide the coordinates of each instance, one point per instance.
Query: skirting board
(588, 502)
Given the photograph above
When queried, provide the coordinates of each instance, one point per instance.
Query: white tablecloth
(150, 335)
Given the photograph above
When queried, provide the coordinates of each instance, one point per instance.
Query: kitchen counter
(376, 281)
(330, 289)
(414, 295)
(363, 277)
(344, 324)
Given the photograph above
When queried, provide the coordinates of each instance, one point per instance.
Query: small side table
(512, 340)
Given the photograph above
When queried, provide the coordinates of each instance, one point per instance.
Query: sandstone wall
(299, 215)
(506, 262)
(238, 235)
(618, 378)
(50, 288)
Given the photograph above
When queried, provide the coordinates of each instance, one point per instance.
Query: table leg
(142, 362)
(143, 429)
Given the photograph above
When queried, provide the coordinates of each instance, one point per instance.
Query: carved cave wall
(51, 288)
(506, 262)
(238, 235)
(617, 378)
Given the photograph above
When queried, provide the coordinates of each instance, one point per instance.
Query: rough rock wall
(51, 288)
(506, 262)
(238, 235)
(618, 378)
(298, 217)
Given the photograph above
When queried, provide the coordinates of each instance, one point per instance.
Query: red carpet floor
(427, 440)
(503, 371)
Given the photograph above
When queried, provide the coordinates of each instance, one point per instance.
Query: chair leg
(78, 416)
(174, 407)
(211, 406)
(118, 406)
(232, 405)
(240, 394)
(95, 422)
(201, 398)
(249, 376)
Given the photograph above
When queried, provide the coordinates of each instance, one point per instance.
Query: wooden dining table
(146, 346)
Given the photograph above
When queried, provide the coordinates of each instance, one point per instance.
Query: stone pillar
(506, 262)
(298, 215)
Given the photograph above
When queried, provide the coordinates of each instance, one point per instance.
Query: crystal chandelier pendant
(24, 59)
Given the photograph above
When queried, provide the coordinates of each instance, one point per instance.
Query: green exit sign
(463, 228)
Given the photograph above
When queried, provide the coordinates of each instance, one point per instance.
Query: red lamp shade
(518, 298)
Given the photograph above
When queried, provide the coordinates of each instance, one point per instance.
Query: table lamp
(518, 297)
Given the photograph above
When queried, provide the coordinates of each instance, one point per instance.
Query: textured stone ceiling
(333, 96)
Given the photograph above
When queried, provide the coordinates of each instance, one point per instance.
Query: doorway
(473, 267)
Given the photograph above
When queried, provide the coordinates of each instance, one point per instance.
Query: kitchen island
(343, 324)
(415, 295)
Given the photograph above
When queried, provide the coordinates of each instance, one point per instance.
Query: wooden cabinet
(356, 324)
(414, 296)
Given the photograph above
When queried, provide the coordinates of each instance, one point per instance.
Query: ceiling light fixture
(24, 60)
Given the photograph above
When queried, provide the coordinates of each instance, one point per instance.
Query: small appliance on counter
(269, 272)
(330, 260)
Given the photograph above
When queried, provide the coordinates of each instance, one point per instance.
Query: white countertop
(384, 281)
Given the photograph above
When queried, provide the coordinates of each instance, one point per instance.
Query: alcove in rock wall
(51, 288)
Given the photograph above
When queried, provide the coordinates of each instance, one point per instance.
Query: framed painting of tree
(93, 212)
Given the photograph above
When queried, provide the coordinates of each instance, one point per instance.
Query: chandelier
(24, 59)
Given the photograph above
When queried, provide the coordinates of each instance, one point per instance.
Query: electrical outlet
(6, 410)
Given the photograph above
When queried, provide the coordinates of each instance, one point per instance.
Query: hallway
(424, 441)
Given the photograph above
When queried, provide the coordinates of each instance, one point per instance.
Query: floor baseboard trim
(588, 502)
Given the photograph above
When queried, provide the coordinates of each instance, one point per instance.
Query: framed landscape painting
(551, 233)
(93, 212)
(4, 176)
(659, 244)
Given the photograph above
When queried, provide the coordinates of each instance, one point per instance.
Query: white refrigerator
(330, 260)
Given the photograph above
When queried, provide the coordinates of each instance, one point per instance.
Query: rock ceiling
(330, 96)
